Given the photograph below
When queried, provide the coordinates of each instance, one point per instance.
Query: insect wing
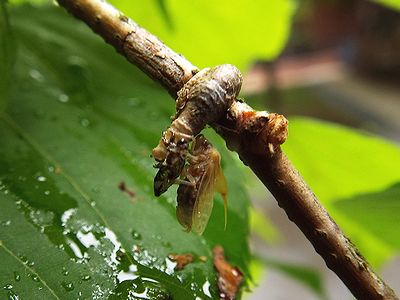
(204, 200)
(185, 203)
(221, 186)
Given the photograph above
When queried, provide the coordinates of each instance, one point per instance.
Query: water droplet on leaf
(6, 223)
(68, 286)
(63, 98)
(86, 277)
(85, 122)
(35, 74)
(65, 272)
(41, 178)
(136, 235)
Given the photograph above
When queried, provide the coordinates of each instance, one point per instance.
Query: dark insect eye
(181, 142)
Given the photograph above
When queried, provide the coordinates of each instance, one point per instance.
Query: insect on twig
(204, 176)
(202, 100)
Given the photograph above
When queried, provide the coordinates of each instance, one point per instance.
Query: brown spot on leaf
(57, 170)
(229, 277)
(123, 188)
(181, 260)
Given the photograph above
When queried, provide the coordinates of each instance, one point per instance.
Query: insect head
(170, 168)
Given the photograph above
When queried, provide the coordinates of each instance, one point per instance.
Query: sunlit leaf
(80, 121)
(341, 163)
(29, 1)
(163, 6)
(395, 4)
(209, 33)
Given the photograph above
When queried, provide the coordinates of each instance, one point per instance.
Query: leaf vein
(9, 251)
(77, 187)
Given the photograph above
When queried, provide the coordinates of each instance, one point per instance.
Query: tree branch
(139, 47)
(277, 173)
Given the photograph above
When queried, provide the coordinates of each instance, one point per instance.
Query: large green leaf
(340, 163)
(7, 53)
(379, 212)
(209, 33)
(80, 120)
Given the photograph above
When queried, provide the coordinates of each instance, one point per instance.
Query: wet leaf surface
(80, 120)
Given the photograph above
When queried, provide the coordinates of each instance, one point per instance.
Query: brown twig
(139, 47)
(275, 171)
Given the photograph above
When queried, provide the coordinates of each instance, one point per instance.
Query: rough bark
(274, 169)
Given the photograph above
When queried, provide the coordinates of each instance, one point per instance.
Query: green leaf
(7, 53)
(210, 33)
(163, 7)
(303, 274)
(29, 1)
(379, 212)
(341, 163)
(395, 4)
(80, 121)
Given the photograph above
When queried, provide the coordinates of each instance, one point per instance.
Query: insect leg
(184, 182)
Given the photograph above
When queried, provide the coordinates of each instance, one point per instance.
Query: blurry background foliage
(390, 3)
(78, 120)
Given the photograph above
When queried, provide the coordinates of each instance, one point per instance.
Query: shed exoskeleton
(202, 100)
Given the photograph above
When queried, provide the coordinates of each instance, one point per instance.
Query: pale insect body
(203, 176)
(202, 100)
